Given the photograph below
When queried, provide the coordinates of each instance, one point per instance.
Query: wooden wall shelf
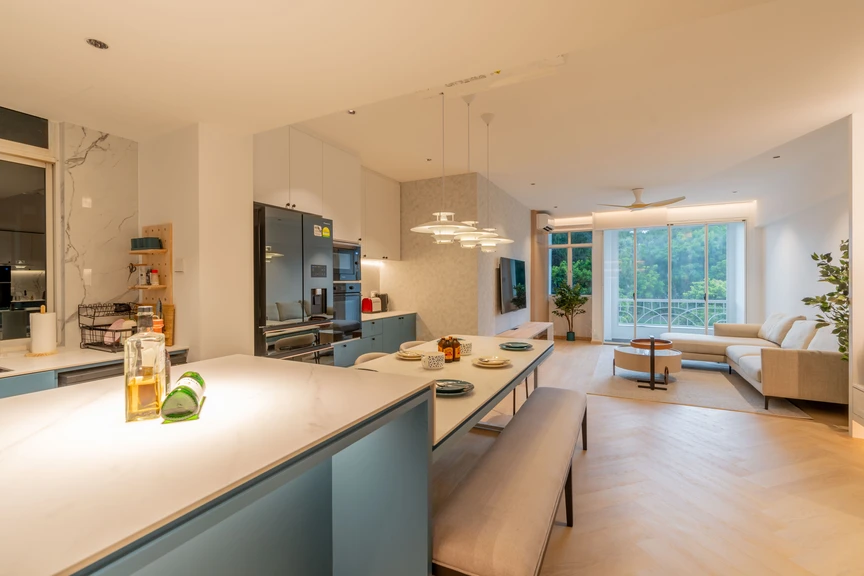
(161, 259)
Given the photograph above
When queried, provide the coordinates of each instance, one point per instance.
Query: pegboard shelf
(147, 287)
(144, 252)
(161, 259)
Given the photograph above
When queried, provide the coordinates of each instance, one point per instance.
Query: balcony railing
(684, 312)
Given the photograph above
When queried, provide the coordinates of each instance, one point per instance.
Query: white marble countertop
(78, 482)
(450, 413)
(379, 315)
(19, 364)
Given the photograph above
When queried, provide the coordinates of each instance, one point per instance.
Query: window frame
(569, 248)
(16, 152)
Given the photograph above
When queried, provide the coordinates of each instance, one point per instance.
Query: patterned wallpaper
(452, 289)
(438, 282)
(99, 189)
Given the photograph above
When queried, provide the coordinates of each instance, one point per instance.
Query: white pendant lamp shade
(445, 226)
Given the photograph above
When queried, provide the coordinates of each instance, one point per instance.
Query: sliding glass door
(679, 278)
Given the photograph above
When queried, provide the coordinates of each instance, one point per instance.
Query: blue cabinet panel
(15, 385)
(392, 334)
(372, 328)
(345, 353)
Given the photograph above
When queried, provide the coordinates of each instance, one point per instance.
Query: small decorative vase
(571, 336)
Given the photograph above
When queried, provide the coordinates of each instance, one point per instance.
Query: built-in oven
(347, 323)
(346, 262)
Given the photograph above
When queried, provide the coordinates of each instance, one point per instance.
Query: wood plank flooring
(668, 489)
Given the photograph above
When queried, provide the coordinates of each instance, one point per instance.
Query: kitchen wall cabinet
(306, 162)
(29, 250)
(381, 217)
(288, 169)
(342, 198)
(5, 247)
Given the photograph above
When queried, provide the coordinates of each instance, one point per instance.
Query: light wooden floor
(666, 489)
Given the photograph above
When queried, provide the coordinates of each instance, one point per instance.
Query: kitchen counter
(380, 315)
(79, 483)
(65, 358)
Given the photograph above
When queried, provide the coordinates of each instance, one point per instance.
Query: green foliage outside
(688, 263)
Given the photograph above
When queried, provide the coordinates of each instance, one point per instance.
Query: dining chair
(369, 356)
(412, 344)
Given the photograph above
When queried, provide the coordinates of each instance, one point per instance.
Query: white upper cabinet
(381, 217)
(270, 168)
(306, 177)
(342, 199)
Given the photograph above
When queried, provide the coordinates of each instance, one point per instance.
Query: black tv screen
(513, 285)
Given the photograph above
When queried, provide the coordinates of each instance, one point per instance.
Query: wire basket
(95, 321)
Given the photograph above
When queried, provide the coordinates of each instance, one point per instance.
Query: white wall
(226, 275)
(168, 192)
(200, 179)
(789, 272)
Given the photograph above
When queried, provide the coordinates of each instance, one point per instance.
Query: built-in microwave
(346, 262)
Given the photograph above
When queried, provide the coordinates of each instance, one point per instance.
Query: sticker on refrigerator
(326, 232)
(316, 230)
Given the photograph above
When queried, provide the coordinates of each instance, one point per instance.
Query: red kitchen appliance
(366, 305)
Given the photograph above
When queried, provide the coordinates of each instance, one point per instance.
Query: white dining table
(455, 416)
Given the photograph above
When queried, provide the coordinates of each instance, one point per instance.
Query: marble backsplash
(99, 190)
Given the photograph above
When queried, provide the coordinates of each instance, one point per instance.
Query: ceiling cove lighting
(445, 226)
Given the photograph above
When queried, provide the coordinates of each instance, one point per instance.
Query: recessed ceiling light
(533, 183)
(428, 159)
(97, 43)
(734, 191)
(775, 157)
(352, 112)
(554, 206)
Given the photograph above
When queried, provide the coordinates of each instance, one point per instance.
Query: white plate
(490, 365)
(409, 357)
(491, 360)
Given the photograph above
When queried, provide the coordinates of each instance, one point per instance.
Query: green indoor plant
(834, 306)
(568, 304)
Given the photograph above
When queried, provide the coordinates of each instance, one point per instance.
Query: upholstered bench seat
(497, 522)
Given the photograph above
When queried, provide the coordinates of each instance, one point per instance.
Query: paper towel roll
(43, 333)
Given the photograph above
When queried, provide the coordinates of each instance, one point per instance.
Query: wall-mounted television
(513, 285)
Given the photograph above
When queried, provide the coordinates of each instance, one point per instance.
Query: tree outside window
(570, 260)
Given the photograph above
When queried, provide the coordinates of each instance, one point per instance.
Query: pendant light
(471, 239)
(445, 226)
(490, 242)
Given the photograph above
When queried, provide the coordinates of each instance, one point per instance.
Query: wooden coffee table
(648, 355)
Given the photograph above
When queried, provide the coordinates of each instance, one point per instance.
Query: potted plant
(834, 306)
(568, 304)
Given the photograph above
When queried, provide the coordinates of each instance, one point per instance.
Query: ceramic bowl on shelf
(433, 360)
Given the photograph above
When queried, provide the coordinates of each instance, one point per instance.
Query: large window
(680, 278)
(570, 260)
(25, 214)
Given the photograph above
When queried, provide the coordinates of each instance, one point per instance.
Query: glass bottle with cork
(144, 369)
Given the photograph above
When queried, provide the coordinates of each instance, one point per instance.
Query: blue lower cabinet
(408, 328)
(376, 344)
(345, 353)
(15, 385)
(392, 334)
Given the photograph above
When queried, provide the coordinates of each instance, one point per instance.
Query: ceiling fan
(639, 205)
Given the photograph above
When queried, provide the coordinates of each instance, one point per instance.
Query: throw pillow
(800, 335)
(776, 326)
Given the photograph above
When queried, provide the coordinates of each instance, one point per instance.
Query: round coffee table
(661, 360)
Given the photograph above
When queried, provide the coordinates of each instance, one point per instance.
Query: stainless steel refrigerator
(293, 257)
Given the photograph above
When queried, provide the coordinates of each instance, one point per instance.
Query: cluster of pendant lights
(445, 229)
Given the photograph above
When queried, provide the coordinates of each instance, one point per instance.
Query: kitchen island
(291, 469)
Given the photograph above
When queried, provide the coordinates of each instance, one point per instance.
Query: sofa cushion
(751, 366)
(824, 340)
(776, 326)
(735, 353)
(707, 344)
(799, 335)
(289, 310)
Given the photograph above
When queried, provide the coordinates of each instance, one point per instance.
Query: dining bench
(498, 520)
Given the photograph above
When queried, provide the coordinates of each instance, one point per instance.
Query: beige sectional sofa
(786, 357)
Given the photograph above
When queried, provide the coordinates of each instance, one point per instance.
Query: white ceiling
(260, 64)
(679, 110)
